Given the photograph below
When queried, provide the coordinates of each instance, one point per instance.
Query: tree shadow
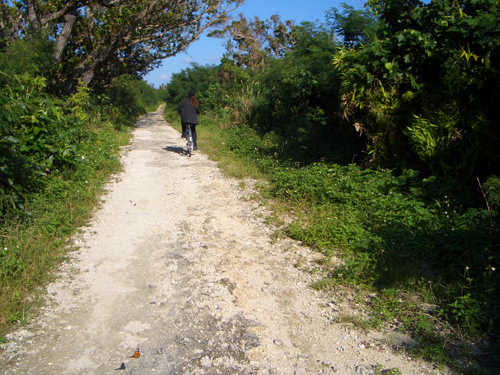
(146, 120)
(313, 143)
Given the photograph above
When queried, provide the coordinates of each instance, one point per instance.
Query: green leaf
(11, 139)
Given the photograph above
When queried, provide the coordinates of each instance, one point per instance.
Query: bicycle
(189, 140)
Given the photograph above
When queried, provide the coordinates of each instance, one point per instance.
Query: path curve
(179, 263)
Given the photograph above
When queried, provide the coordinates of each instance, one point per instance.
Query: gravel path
(179, 263)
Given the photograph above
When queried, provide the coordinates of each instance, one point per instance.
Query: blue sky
(210, 50)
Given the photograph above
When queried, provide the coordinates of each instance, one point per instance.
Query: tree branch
(112, 36)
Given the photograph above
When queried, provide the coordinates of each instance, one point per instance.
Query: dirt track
(178, 263)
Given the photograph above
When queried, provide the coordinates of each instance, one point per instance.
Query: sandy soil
(179, 263)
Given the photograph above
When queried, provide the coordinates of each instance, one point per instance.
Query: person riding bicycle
(189, 109)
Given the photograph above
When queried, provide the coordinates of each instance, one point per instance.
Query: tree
(252, 42)
(97, 40)
(353, 26)
(197, 78)
(301, 87)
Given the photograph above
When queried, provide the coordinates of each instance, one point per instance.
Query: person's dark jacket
(189, 114)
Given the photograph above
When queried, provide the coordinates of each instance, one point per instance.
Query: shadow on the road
(177, 150)
(147, 119)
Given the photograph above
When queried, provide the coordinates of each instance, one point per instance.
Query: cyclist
(189, 109)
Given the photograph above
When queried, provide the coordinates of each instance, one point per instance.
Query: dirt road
(179, 264)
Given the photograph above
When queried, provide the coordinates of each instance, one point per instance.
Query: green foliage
(354, 27)
(11, 264)
(252, 43)
(42, 137)
(25, 57)
(395, 230)
(37, 136)
(130, 98)
(215, 86)
(379, 370)
(215, 98)
(424, 92)
(201, 79)
(296, 100)
(492, 187)
(302, 85)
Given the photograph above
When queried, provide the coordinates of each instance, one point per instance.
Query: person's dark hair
(192, 99)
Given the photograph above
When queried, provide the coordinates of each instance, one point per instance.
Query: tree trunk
(85, 74)
(62, 38)
(32, 15)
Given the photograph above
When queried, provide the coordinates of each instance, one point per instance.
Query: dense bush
(397, 230)
(300, 87)
(197, 78)
(42, 136)
(218, 88)
(39, 136)
(425, 91)
(25, 57)
(129, 98)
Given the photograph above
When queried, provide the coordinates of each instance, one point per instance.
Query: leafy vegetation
(353, 26)
(251, 42)
(424, 91)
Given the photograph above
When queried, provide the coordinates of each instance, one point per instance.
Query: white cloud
(213, 59)
(164, 77)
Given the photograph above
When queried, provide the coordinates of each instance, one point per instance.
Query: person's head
(192, 99)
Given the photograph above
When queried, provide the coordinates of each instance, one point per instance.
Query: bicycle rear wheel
(189, 139)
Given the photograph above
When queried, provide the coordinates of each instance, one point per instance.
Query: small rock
(330, 365)
(157, 350)
(278, 342)
(362, 370)
(21, 335)
(206, 362)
